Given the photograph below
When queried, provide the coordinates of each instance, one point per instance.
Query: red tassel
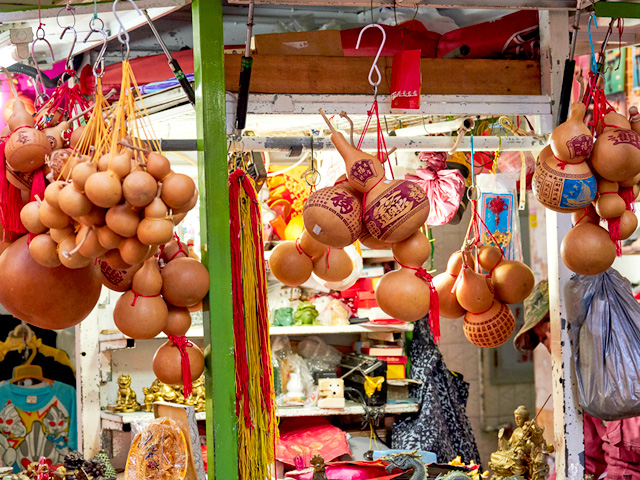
(182, 343)
(629, 197)
(10, 203)
(614, 234)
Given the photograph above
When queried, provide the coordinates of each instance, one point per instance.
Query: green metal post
(222, 440)
(617, 10)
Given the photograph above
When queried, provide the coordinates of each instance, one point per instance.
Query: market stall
(342, 280)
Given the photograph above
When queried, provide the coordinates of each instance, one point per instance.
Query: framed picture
(614, 73)
(635, 65)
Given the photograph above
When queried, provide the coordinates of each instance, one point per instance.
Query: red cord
(183, 343)
(136, 295)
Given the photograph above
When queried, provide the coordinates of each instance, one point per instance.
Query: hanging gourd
(332, 216)
(333, 265)
(185, 282)
(513, 281)
(491, 328)
(587, 249)
(290, 265)
(474, 291)
(572, 141)
(616, 152)
(561, 186)
(448, 302)
(141, 313)
(403, 295)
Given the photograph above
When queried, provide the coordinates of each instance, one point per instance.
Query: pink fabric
(444, 188)
(349, 471)
(302, 438)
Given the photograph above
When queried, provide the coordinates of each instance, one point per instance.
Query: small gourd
(474, 291)
(177, 190)
(571, 141)
(104, 188)
(132, 250)
(44, 250)
(156, 227)
(123, 220)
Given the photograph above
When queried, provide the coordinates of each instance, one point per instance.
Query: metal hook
(374, 67)
(40, 88)
(123, 35)
(68, 8)
(99, 63)
(73, 45)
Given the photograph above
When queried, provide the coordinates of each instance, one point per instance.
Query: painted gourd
(395, 209)
(571, 141)
(562, 187)
(332, 216)
(489, 329)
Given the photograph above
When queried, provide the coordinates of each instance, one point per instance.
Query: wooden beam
(348, 75)
(506, 4)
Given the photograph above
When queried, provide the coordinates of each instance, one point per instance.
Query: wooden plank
(348, 75)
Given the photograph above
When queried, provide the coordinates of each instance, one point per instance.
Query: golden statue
(126, 396)
(159, 391)
(524, 454)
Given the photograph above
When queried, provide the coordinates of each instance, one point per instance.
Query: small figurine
(43, 469)
(319, 468)
(524, 454)
(126, 396)
(149, 398)
(407, 461)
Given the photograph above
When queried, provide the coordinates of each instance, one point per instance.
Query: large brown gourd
(289, 265)
(403, 295)
(562, 187)
(185, 282)
(395, 209)
(513, 281)
(51, 298)
(167, 364)
(616, 152)
(587, 249)
(332, 216)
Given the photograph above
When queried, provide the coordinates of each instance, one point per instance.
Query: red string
(237, 180)
(136, 295)
(482, 313)
(327, 257)
(614, 234)
(301, 250)
(183, 343)
(434, 303)
(586, 212)
(180, 248)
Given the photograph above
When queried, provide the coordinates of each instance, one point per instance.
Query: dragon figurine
(406, 461)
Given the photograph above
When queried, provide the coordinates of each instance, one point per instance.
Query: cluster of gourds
(365, 206)
(595, 180)
(480, 298)
(105, 215)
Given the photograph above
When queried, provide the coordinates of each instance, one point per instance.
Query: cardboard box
(325, 43)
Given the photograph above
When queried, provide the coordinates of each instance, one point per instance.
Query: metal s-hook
(67, 63)
(123, 35)
(374, 67)
(99, 63)
(39, 83)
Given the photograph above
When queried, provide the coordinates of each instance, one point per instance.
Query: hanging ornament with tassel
(255, 399)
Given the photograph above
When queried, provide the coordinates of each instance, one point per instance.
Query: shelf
(368, 253)
(340, 329)
(117, 421)
(115, 340)
(351, 408)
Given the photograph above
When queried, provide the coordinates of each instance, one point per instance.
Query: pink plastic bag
(444, 188)
(349, 471)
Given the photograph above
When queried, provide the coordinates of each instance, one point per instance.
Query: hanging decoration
(482, 298)
(596, 162)
(255, 397)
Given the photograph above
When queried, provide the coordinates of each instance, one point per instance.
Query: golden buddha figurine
(126, 396)
(196, 399)
(524, 454)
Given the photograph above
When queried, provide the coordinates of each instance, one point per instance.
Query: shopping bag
(406, 80)
(604, 321)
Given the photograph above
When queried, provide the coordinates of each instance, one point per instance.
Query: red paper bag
(406, 80)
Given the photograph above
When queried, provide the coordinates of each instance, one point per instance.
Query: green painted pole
(222, 439)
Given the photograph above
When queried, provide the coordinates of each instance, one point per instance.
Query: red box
(366, 300)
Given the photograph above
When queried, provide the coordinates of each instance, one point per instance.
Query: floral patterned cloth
(441, 426)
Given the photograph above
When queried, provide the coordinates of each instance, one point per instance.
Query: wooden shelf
(351, 408)
(117, 420)
(340, 329)
(115, 340)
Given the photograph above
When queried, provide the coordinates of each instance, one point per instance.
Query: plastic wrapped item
(511, 162)
(429, 17)
(158, 452)
(296, 390)
(498, 207)
(605, 332)
(320, 356)
(334, 312)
